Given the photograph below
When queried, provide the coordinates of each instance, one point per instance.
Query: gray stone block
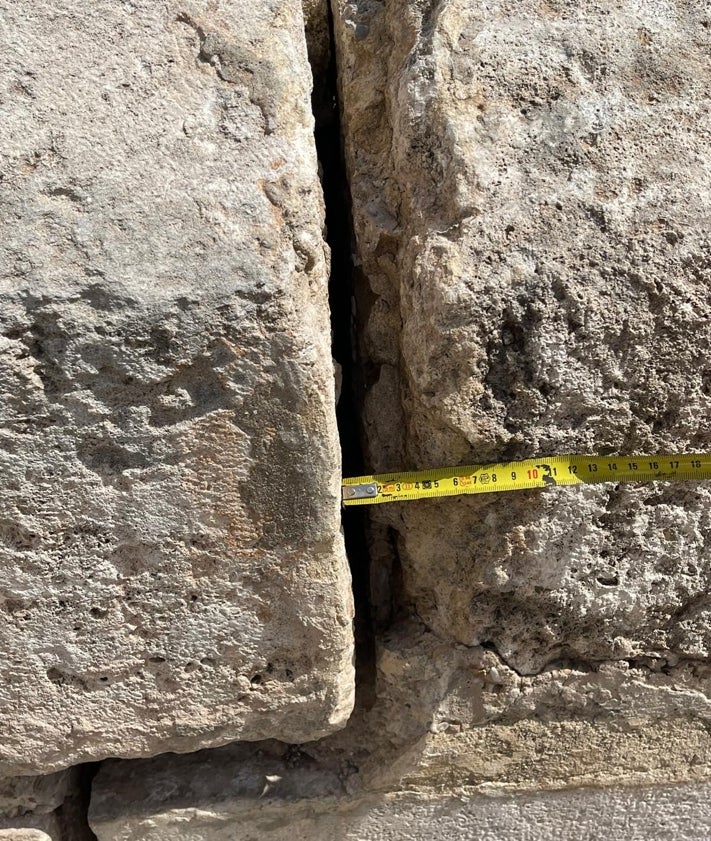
(531, 189)
(173, 568)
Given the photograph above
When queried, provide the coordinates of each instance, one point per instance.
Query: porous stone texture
(34, 808)
(173, 568)
(448, 726)
(285, 795)
(25, 795)
(442, 710)
(531, 186)
(41, 826)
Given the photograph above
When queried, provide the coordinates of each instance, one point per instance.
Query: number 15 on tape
(527, 474)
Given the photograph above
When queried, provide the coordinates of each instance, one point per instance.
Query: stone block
(173, 569)
(276, 797)
(30, 807)
(531, 188)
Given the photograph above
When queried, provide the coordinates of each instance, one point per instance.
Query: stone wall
(527, 274)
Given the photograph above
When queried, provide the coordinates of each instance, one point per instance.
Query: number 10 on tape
(524, 475)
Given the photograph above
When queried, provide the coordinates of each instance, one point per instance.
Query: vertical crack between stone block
(329, 147)
(73, 815)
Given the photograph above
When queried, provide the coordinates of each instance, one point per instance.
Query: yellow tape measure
(523, 475)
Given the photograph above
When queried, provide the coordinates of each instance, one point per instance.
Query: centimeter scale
(523, 475)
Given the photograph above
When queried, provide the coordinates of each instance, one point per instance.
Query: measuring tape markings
(527, 474)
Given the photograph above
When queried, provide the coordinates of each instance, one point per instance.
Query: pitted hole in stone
(55, 676)
(107, 457)
(15, 334)
(256, 680)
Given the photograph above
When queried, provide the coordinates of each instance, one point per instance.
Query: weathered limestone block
(448, 717)
(25, 795)
(414, 757)
(532, 185)
(219, 786)
(173, 574)
(31, 827)
(287, 796)
(35, 808)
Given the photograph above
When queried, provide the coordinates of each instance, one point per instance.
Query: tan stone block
(173, 573)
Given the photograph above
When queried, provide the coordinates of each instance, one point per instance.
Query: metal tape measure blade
(527, 474)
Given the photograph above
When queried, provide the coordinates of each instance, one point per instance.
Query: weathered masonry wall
(519, 215)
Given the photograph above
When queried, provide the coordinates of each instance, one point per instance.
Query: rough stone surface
(448, 726)
(531, 187)
(440, 709)
(24, 795)
(34, 808)
(173, 569)
(285, 795)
